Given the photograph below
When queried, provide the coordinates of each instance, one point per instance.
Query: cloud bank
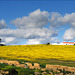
(33, 28)
(57, 20)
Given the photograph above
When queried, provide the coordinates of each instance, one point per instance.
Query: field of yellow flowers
(39, 53)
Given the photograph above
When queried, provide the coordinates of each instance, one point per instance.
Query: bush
(64, 72)
(2, 65)
(26, 72)
(42, 65)
(13, 72)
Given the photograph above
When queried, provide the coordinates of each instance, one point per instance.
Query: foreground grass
(53, 54)
(21, 71)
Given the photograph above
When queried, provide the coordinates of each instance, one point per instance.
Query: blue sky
(11, 10)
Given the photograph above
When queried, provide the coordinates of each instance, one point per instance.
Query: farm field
(52, 54)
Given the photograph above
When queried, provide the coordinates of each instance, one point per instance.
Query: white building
(1, 43)
(69, 43)
(64, 43)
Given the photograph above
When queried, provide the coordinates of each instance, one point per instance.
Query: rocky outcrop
(37, 73)
(10, 62)
(37, 66)
(59, 69)
(4, 72)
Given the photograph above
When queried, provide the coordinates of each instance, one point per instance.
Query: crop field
(53, 54)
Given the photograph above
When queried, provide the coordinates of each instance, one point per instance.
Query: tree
(48, 43)
(0, 40)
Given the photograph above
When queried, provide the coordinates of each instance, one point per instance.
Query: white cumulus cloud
(56, 19)
(42, 40)
(69, 34)
(36, 19)
(28, 33)
(2, 24)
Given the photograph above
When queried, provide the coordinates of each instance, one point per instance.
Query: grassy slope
(53, 54)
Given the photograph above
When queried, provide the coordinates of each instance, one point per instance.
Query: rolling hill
(53, 54)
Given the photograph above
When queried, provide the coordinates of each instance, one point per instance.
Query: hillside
(53, 54)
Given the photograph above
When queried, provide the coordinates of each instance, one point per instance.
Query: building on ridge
(1, 44)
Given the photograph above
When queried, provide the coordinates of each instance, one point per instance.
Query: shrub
(26, 72)
(2, 65)
(64, 72)
(42, 65)
(13, 72)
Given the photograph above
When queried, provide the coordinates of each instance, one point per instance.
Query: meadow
(52, 54)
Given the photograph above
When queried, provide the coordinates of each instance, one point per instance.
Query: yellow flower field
(38, 52)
